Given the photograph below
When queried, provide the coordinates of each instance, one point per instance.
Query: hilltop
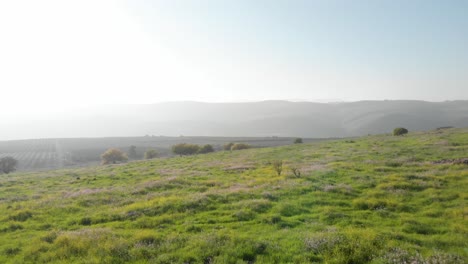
(378, 199)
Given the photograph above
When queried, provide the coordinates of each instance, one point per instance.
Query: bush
(298, 141)
(296, 172)
(277, 166)
(206, 149)
(239, 146)
(185, 149)
(151, 154)
(8, 164)
(400, 131)
(228, 146)
(113, 156)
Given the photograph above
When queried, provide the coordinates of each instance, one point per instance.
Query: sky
(56, 54)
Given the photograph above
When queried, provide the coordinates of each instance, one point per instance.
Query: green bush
(185, 149)
(206, 149)
(151, 154)
(400, 131)
(239, 146)
(298, 141)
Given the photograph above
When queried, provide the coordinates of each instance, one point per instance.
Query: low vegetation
(278, 166)
(185, 149)
(239, 146)
(399, 131)
(228, 146)
(132, 152)
(151, 154)
(8, 164)
(377, 199)
(206, 149)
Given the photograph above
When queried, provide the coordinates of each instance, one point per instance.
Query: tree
(132, 153)
(8, 164)
(239, 146)
(400, 131)
(151, 154)
(206, 149)
(185, 149)
(113, 156)
(298, 141)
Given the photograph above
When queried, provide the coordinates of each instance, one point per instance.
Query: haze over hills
(267, 118)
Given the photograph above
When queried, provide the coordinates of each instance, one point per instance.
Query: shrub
(21, 216)
(277, 166)
(296, 172)
(206, 149)
(400, 131)
(151, 154)
(185, 149)
(8, 164)
(86, 221)
(239, 146)
(113, 156)
(228, 146)
(298, 141)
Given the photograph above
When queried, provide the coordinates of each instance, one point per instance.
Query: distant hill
(268, 118)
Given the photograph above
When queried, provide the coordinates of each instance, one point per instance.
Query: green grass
(375, 199)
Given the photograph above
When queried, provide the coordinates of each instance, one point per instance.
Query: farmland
(43, 154)
(374, 199)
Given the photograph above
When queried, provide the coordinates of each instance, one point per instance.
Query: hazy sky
(56, 53)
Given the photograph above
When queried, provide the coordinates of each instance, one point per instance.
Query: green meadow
(373, 199)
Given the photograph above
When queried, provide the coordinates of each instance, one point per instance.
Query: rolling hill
(374, 199)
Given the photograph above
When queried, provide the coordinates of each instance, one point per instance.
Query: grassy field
(375, 199)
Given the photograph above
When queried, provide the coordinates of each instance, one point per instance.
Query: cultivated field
(375, 199)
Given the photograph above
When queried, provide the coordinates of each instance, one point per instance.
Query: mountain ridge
(264, 118)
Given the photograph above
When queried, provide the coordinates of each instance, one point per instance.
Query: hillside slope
(379, 199)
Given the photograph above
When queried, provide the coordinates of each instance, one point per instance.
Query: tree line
(114, 155)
